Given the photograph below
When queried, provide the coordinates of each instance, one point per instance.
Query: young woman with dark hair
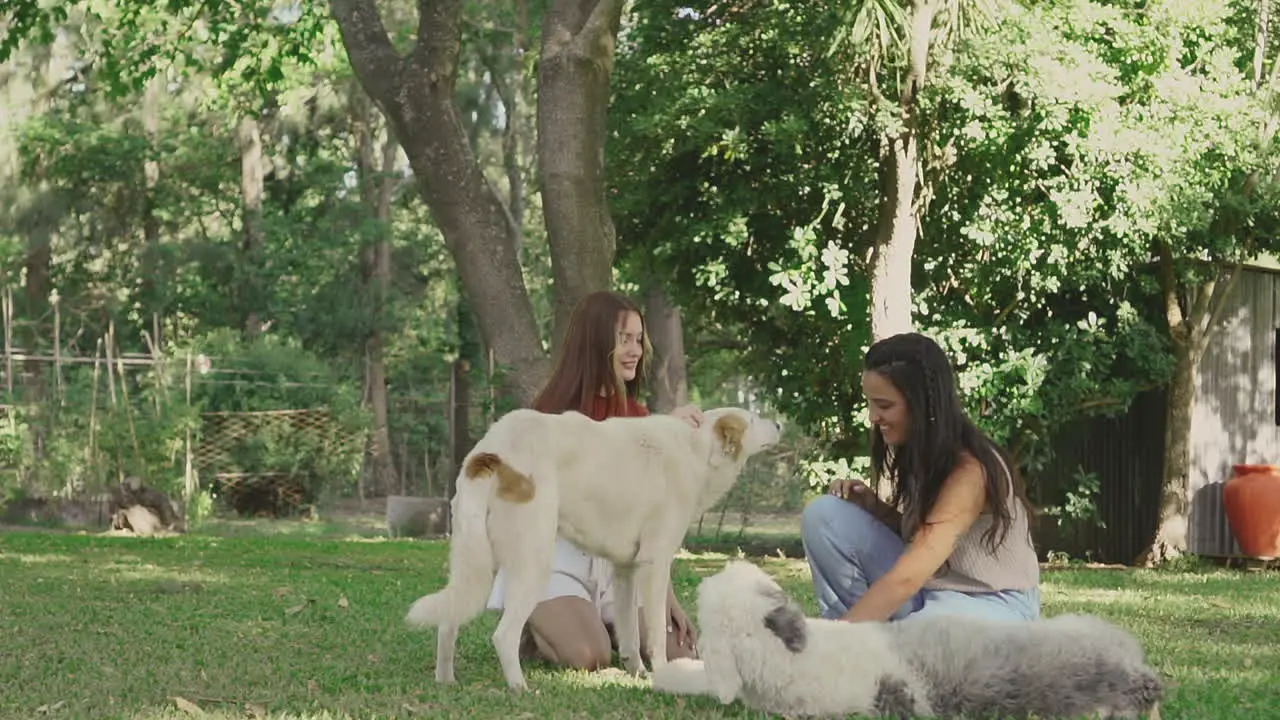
(598, 372)
(954, 537)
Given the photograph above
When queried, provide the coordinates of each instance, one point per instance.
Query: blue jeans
(848, 550)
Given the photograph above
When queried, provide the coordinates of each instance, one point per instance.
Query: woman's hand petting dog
(691, 414)
(680, 624)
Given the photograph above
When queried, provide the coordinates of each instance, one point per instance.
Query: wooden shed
(1236, 419)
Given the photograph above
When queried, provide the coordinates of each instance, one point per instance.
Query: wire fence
(270, 433)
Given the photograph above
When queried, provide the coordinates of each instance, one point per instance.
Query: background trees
(416, 193)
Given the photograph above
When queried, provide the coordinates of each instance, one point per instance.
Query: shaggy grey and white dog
(755, 644)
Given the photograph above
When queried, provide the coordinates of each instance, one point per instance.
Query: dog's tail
(471, 559)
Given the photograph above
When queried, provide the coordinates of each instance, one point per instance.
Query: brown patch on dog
(730, 429)
(513, 485)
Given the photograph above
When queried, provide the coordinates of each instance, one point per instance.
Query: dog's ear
(729, 431)
(787, 622)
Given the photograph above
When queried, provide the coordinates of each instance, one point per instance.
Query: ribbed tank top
(973, 568)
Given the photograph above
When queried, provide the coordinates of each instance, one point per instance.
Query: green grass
(298, 627)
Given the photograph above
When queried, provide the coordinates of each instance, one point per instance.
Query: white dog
(756, 645)
(625, 489)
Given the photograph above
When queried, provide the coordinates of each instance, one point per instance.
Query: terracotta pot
(1252, 502)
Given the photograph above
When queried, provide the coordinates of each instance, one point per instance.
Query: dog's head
(745, 597)
(744, 615)
(736, 434)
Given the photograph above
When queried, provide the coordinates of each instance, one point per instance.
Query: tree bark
(416, 93)
(1190, 330)
(249, 135)
(152, 288)
(666, 333)
(896, 226)
(1175, 501)
(895, 239)
(578, 38)
(377, 187)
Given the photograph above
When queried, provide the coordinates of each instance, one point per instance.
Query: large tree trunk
(578, 38)
(1175, 496)
(1191, 325)
(249, 135)
(895, 235)
(895, 239)
(416, 93)
(666, 333)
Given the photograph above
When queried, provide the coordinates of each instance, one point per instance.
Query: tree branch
(373, 57)
(1169, 283)
(1219, 300)
(439, 30)
(598, 32)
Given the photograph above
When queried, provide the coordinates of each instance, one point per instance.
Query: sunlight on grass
(37, 558)
(286, 626)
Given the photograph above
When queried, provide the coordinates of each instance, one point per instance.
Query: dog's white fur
(756, 645)
(745, 623)
(625, 489)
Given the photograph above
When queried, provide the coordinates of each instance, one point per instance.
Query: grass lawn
(291, 626)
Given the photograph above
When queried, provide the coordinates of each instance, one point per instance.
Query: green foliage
(1062, 146)
(97, 428)
(1080, 503)
(719, 117)
(1070, 144)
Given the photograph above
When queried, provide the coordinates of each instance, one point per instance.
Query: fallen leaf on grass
(281, 592)
(187, 706)
(297, 608)
(342, 602)
(46, 709)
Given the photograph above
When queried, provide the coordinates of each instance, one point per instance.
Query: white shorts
(574, 572)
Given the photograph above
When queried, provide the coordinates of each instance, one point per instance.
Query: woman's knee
(568, 632)
(827, 514)
(583, 654)
(817, 514)
(576, 650)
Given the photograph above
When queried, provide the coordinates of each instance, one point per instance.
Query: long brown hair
(584, 364)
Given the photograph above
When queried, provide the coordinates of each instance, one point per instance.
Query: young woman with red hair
(598, 373)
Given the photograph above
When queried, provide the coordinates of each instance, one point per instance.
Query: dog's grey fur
(894, 699)
(1066, 666)
(787, 622)
(944, 666)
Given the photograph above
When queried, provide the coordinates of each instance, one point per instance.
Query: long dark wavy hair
(939, 431)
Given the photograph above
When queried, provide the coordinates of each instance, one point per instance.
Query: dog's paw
(634, 667)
